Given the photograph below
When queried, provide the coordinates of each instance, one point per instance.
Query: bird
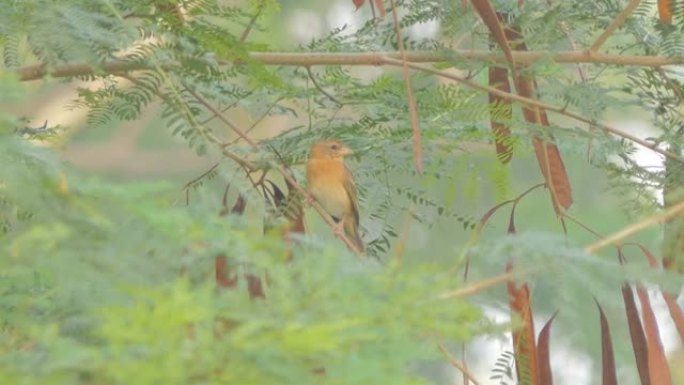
(331, 183)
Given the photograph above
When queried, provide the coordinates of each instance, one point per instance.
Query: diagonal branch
(614, 25)
(258, 120)
(202, 176)
(457, 364)
(244, 163)
(221, 117)
(318, 86)
(478, 286)
(413, 110)
(538, 104)
(251, 23)
(635, 228)
(492, 20)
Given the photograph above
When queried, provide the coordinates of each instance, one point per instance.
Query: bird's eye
(335, 147)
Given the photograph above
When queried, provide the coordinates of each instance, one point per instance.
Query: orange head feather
(329, 149)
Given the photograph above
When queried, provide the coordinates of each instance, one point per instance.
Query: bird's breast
(326, 183)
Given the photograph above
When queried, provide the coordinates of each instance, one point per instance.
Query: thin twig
(411, 100)
(221, 117)
(256, 122)
(465, 363)
(614, 25)
(457, 364)
(204, 174)
(674, 87)
(478, 286)
(244, 163)
(477, 232)
(228, 107)
(209, 119)
(582, 225)
(538, 104)
(204, 132)
(632, 229)
(315, 83)
(251, 23)
(580, 70)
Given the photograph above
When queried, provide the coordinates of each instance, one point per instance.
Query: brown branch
(495, 24)
(221, 117)
(538, 104)
(257, 121)
(411, 100)
(207, 134)
(39, 71)
(519, 57)
(478, 286)
(573, 45)
(580, 70)
(228, 107)
(457, 364)
(635, 228)
(244, 163)
(614, 25)
(251, 23)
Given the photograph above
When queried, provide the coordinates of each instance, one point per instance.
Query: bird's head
(330, 149)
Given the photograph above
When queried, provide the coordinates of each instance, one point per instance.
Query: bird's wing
(351, 222)
(350, 188)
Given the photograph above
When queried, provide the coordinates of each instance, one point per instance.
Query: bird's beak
(344, 151)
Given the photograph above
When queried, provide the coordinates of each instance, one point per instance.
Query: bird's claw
(309, 200)
(338, 229)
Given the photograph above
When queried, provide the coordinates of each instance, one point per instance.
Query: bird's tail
(352, 232)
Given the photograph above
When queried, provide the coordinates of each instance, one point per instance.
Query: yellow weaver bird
(332, 185)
